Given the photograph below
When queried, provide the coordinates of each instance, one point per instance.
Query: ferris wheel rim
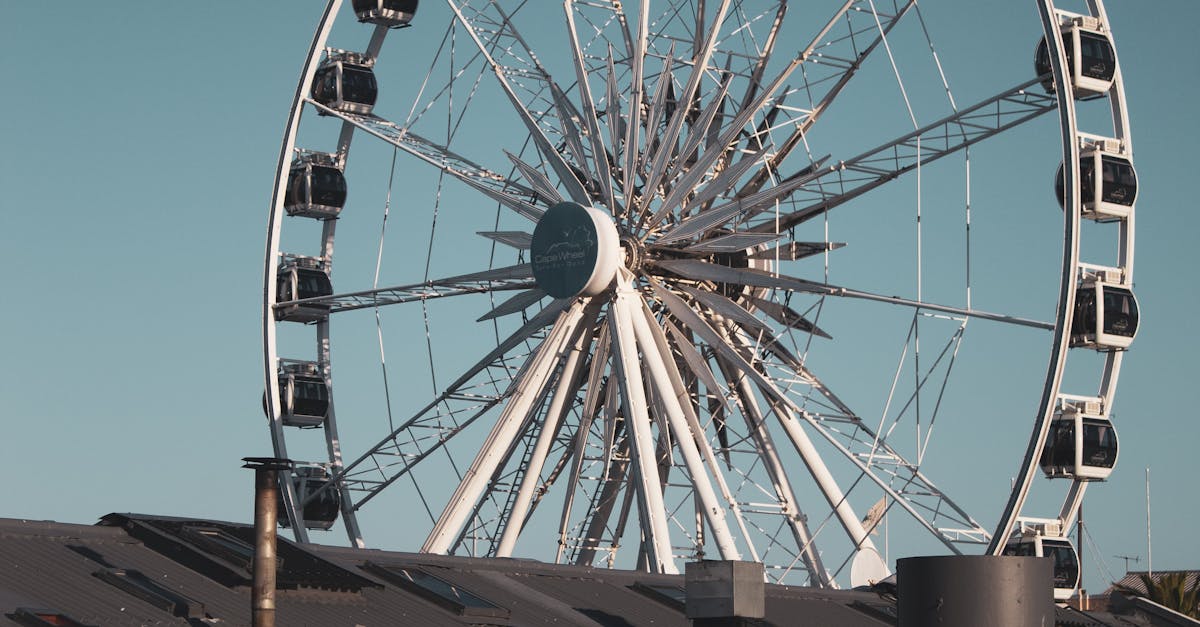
(274, 254)
(272, 258)
(1052, 21)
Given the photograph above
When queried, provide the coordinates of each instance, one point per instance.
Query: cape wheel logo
(574, 251)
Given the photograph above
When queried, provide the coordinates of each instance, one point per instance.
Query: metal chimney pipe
(266, 520)
(723, 593)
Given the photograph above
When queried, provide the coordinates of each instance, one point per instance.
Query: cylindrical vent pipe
(976, 590)
(266, 520)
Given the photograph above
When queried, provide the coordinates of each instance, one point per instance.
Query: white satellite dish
(867, 568)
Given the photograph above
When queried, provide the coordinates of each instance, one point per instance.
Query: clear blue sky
(138, 148)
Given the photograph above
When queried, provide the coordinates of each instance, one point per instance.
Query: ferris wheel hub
(575, 251)
(632, 252)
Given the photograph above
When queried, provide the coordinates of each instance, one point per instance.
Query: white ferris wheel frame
(627, 326)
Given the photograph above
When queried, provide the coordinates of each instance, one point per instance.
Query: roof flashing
(674, 597)
(439, 591)
(223, 552)
(139, 585)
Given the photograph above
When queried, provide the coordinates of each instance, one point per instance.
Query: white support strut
(657, 536)
(672, 399)
(533, 470)
(525, 391)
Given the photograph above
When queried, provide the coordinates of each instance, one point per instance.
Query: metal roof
(59, 567)
(70, 569)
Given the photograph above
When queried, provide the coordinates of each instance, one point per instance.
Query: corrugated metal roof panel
(603, 599)
(52, 566)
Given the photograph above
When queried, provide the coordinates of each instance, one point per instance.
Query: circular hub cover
(574, 251)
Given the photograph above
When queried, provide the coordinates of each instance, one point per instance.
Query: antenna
(1129, 558)
(1149, 553)
(1079, 541)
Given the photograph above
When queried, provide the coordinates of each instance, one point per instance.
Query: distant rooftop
(1133, 579)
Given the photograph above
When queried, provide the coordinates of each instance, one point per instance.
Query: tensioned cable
(937, 405)
(744, 30)
(955, 341)
(414, 115)
(820, 304)
(916, 335)
(387, 392)
(1096, 553)
(966, 150)
(452, 126)
(447, 43)
(880, 434)
(966, 218)
(958, 334)
(748, 480)
(936, 60)
(387, 204)
(895, 69)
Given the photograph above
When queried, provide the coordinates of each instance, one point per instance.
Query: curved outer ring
(270, 349)
(1070, 272)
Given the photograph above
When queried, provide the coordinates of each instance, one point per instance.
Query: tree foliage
(1169, 590)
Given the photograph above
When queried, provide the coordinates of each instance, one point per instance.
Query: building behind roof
(1133, 579)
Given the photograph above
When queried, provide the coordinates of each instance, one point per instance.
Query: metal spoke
(869, 170)
(854, 177)
(496, 186)
(471, 396)
(488, 30)
(519, 302)
(705, 271)
(517, 277)
(522, 398)
(831, 61)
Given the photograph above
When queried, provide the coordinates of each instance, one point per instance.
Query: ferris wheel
(669, 279)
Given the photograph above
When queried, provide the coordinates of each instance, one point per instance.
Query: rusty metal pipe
(266, 520)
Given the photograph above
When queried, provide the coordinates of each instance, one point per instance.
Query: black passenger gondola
(303, 395)
(345, 82)
(297, 279)
(1081, 446)
(316, 187)
(1105, 197)
(1091, 72)
(390, 13)
(1066, 560)
(1106, 316)
(320, 507)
